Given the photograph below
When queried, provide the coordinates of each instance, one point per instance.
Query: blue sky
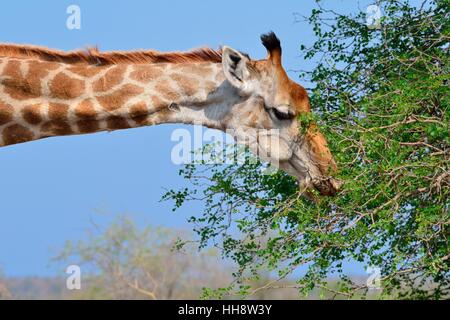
(51, 190)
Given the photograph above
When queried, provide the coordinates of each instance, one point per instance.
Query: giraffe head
(273, 104)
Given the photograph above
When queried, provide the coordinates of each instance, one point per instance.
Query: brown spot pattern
(16, 133)
(56, 128)
(116, 122)
(20, 90)
(118, 98)
(32, 114)
(12, 69)
(36, 71)
(64, 87)
(58, 112)
(85, 110)
(17, 86)
(6, 113)
(111, 78)
(145, 74)
(139, 112)
(188, 85)
(166, 90)
(158, 103)
(87, 126)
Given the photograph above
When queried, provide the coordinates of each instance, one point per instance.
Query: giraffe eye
(283, 115)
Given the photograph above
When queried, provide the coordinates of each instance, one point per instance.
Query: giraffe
(45, 92)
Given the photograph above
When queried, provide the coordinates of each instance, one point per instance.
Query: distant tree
(125, 262)
(5, 293)
(381, 95)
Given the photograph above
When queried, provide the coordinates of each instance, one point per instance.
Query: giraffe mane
(93, 56)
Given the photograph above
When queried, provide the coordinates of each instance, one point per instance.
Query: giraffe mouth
(306, 179)
(327, 186)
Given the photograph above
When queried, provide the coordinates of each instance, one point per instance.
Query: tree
(125, 262)
(381, 96)
(5, 293)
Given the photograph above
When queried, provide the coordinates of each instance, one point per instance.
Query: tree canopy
(380, 95)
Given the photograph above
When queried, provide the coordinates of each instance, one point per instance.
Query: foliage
(381, 96)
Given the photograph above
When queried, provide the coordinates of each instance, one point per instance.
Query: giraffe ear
(234, 66)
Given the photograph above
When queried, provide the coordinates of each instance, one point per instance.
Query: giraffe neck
(40, 99)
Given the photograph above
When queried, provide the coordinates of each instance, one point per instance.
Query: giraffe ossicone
(46, 93)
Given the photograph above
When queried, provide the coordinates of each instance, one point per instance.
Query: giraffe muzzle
(327, 186)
